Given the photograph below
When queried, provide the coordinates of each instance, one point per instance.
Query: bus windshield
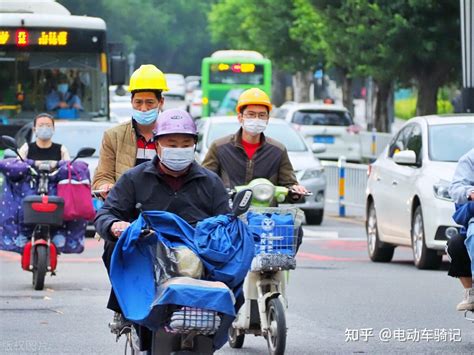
(250, 77)
(68, 85)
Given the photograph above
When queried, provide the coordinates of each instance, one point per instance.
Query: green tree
(169, 34)
(393, 41)
(290, 36)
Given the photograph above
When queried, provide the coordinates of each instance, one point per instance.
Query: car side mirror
(318, 147)
(405, 157)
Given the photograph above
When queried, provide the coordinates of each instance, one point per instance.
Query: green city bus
(226, 73)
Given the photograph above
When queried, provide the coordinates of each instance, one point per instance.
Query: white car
(308, 170)
(119, 93)
(325, 123)
(195, 106)
(176, 85)
(408, 203)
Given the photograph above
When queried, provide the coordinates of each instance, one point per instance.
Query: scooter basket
(277, 246)
(43, 210)
(196, 320)
(276, 249)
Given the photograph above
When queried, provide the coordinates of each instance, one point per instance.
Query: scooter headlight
(263, 192)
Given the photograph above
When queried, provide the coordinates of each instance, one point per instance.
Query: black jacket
(202, 195)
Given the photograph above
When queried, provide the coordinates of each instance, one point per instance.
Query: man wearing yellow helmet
(132, 143)
(248, 154)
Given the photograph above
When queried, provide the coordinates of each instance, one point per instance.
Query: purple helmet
(175, 121)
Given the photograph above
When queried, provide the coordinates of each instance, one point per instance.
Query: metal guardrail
(346, 183)
(373, 143)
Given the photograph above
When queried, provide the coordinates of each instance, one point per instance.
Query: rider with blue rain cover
(172, 182)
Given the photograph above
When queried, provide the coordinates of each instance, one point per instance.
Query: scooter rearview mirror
(84, 153)
(241, 202)
(139, 207)
(10, 143)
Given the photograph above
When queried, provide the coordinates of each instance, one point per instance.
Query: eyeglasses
(259, 115)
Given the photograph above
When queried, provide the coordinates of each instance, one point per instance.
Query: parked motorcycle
(186, 313)
(263, 312)
(43, 213)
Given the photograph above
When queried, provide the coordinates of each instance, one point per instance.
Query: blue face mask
(63, 88)
(145, 118)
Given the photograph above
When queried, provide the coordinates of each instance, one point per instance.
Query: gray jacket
(463, 179)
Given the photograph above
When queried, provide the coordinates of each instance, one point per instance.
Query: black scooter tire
(235, 341)
(276, 338)
(40, 266)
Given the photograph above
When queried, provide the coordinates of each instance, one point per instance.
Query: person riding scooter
(171, 182)
(248, 154)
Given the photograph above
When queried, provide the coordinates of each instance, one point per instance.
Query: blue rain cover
(223, 243)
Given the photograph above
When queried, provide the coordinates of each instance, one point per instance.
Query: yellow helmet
(148, 77)
(253, 96)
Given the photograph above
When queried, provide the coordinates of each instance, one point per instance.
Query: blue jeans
(469, 243)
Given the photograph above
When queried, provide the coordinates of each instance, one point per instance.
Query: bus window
(36, 80)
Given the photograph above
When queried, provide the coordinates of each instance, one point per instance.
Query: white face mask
(177, 159)
(254, 126)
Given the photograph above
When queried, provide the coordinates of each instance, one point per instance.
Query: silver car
(308, 169)
(325, 123)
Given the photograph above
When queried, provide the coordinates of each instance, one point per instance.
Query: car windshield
(448, 142)
(322, 118)
(90, 136)
(280, 132)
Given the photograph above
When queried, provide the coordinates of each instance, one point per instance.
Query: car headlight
(311, 174)
(441, 190)
(263, 192)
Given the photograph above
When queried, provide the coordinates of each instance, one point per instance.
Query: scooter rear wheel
(276, 337)
(40, 266)
(235, 341)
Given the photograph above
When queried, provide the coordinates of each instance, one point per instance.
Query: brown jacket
(118, 153)
(227, 158)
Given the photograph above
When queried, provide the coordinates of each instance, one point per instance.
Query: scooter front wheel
(235, 341)
(276, 337)
(40, 266)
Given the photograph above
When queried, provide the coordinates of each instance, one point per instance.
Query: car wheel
(423, 257)
(314, 217)
(378, 250)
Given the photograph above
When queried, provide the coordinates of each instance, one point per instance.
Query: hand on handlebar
(104, 190)
(117, 228)
(300, 190)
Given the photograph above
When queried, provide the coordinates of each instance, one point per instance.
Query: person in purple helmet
(171, 182)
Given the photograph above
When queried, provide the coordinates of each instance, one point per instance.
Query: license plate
(323, 139)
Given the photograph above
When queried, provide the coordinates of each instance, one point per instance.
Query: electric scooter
(182, 328)
(42, 212)
(263, 312)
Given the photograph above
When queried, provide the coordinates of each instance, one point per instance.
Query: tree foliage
(170, 34)
(286, 31)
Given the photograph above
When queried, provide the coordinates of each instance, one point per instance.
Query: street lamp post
(467, 45)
